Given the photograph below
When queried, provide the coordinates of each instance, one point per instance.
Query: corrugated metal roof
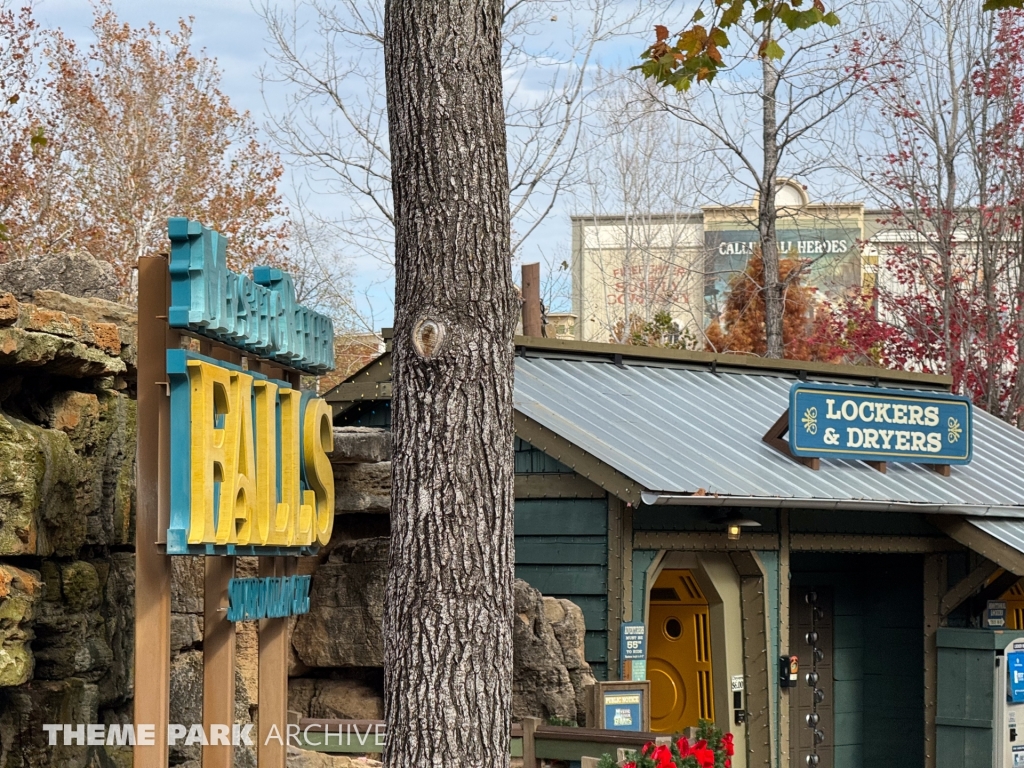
(1010, 532)
(675, 430)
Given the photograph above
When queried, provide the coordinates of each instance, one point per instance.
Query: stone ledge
(362, 488)
(91, 310)
(355, 445)
(56, 354)
(93, 324)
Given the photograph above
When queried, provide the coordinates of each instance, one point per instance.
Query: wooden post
(627, 563)
(758, 658)
(614, 576)
(273, 676)
(218, 660)
(530, 742)
(531, 300)
(934, 587)
(152, 565)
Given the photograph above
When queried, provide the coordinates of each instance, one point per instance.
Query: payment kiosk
(1009, 706)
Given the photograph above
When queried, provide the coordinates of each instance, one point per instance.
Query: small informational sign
(623, 710)
(633, 650)
(620, 705)
(995, 614)
(638, 669)
(873, 424)
(737, 683)
(1015, 684)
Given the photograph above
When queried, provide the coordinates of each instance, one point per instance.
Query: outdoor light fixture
(734, 524)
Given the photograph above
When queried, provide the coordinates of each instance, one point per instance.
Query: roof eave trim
(657, 498)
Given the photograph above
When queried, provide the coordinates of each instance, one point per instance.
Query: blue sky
(229, 30)
(234, 33)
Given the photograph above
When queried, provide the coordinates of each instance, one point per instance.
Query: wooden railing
(531, 740)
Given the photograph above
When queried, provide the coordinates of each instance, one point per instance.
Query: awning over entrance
(692, 434)
(998, 540)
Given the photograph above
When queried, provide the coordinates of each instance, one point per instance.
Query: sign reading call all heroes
(249, 469)
(871, 424)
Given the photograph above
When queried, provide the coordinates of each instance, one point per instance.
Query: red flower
(727, 744)
(663, 756)
(683, 745)
(728, 763)
(705, 757)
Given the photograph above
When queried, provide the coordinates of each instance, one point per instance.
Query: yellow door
(1014, 598)
(679, 653)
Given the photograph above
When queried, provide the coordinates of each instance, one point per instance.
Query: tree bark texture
(448, 605)
(774, 290)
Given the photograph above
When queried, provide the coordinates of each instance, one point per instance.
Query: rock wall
(67, 451)
(550, 668)
(338, 651)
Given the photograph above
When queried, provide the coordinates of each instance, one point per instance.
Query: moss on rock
(38, 472)
(20, 592)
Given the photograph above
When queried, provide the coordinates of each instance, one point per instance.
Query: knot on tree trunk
(428, 337)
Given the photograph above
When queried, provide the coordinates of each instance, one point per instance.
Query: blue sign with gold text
(623, 710)
(873, 424)
(249, 472)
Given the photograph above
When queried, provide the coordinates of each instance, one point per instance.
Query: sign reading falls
(249, 468)
(872, 424)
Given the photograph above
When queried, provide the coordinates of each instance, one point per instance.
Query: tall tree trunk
(448, 606)
(774, 290)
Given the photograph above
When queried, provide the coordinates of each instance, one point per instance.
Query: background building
(681, 263)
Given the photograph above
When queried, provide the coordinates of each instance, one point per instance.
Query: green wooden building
(636, 468)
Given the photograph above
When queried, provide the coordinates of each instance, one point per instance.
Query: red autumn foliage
(137, 131)
(949, 296)
(23, 118)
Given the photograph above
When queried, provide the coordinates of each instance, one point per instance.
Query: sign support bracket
(773, 437)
